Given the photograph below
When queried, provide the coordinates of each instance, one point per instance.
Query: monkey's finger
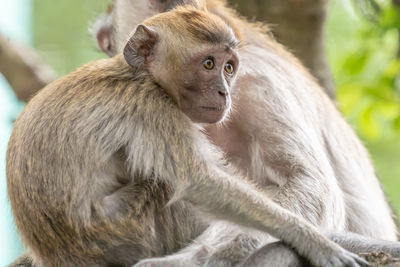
(356, 261)
(362, 262)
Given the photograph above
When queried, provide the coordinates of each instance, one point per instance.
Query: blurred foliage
(363, 48)
(61, 32)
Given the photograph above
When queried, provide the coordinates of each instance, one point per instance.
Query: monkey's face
(195, 62)
(205, 93)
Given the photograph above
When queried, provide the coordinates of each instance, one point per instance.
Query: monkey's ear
(102, 30)
(140, 46)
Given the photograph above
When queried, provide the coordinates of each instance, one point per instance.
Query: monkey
(86, 147)
(286, 135)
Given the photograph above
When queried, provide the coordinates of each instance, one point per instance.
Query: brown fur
(197, 26)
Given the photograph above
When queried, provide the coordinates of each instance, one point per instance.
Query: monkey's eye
(209, 63)
(229, 68)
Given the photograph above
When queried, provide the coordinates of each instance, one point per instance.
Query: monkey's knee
(275, 254)
(223, 258)
(233, 252)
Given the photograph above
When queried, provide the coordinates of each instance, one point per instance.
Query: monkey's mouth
(212, 108)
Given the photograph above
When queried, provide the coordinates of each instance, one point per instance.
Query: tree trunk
(298, 24)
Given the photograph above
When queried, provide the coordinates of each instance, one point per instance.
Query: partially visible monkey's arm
(363, 244)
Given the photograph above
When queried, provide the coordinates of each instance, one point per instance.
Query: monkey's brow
(229, 47)
(233, 44)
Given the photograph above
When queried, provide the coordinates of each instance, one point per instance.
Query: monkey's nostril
(222, 93)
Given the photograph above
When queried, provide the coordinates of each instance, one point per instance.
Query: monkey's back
(70, 189)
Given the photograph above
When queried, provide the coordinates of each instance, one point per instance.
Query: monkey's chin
(208, 115)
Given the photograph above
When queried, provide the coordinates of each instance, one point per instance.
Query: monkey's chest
(233, 142)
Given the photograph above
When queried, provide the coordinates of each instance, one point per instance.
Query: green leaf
(391, 17)
(396, 123)
(369, 125)
(356, 62)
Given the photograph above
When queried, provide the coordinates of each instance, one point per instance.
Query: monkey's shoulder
(97, 81)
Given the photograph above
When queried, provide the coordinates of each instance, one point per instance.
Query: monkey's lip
(212, 108)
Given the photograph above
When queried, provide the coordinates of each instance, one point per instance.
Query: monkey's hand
(341, 258)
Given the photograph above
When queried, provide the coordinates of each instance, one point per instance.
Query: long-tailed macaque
(284, 133)
(92, 151)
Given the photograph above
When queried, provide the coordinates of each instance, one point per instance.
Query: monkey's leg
(274, 255)
(233, 252)
(220, 238)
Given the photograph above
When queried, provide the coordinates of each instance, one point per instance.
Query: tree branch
(23, 69)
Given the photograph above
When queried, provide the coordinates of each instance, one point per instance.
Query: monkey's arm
(363, 244)
(278, 253)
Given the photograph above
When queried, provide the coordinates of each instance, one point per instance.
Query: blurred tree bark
(299, 25)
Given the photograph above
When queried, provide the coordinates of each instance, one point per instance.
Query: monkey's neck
(120, 68)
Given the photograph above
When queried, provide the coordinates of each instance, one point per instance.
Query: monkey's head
(192, 55)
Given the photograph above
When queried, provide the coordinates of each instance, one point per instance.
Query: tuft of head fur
(199, 25)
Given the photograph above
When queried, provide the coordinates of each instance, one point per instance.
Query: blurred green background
(60, 32)
(363, 50)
